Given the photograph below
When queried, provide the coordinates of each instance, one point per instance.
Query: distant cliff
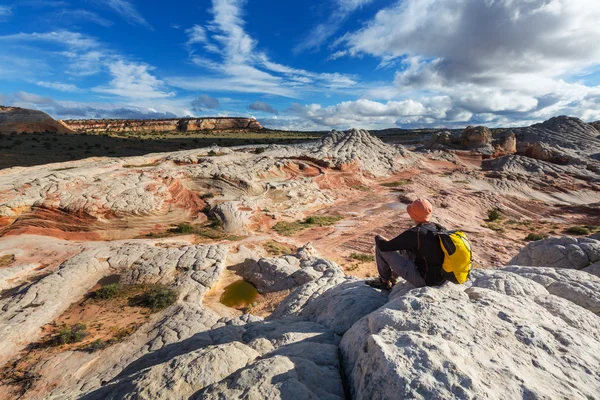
(163, 125)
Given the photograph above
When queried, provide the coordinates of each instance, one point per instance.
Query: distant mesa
(164, 125)
(22, 120)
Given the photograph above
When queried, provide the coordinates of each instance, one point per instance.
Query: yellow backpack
(458, 256)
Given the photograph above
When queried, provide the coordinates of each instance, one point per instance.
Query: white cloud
(196, 34)
(72, 40)
(70, 16)
(128, 12)
(5, 12)
(496, 61)
(63, 87)
(133, 80)
(320, 33)
(242, 67)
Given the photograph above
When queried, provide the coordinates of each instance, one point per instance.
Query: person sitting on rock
(415, 255)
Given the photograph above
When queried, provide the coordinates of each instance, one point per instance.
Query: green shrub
(70, 334)
(290, 228)
(362, 257)
(185, 228)
(156, 298)
(533, 237)
(322, 220)
(275, 248)
(107, 292)
(212, 153)
(396, 184)
(494, 215)
(207, 196)
(96, 345)
(579, 230)
(259, 150)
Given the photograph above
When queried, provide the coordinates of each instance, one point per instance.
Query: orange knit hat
(420, 210)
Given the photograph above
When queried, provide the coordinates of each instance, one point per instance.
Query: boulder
(439, 140)
(564, 252)
(507, 145)
(234, 219)
(456, 344)
(287, 272)
(475, 137)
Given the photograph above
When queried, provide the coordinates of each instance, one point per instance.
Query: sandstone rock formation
(439, 140)
(287, 272)
(477, 137)
(564, 252)
(560, 139)
(21, 120)
(489, 340)
(164, 125)
(507, 145)
(359, 149)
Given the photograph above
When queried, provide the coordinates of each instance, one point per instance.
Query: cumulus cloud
(204, 102)
(264, 107)
(502, 57)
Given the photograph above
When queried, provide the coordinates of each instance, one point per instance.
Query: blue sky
(305, 64)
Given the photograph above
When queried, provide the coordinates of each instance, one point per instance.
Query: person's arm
(405, 241)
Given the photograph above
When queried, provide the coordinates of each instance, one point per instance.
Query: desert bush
(207, 196)
(494, 214)
(212, 153)
(107, 292)
(155, 298)
(578, 230)
(290, 228)
(185, 228)
(533, 237)
(396, 184)
(277, 249)
(361, 257)
(70, 334)
(259, 150)
(96, 345)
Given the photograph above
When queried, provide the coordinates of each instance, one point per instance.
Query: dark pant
(394, 264)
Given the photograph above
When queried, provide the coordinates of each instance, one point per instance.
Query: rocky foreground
(529, 328)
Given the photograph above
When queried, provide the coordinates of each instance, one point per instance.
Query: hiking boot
(379, 283)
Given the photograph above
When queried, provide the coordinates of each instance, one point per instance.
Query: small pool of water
(396, 206)
(109, 280)
(239, 294)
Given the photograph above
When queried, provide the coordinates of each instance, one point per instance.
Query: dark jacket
(425, 244)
